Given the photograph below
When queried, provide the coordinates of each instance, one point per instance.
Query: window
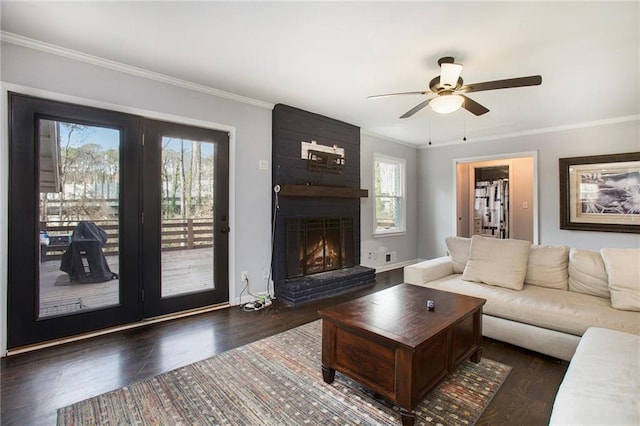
(389, 176)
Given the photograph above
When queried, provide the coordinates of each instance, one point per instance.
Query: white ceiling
(327, 57)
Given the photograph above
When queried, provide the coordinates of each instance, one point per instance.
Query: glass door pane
(187, 236)
(78, 217)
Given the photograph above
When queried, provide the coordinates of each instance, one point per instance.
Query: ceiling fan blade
(416, 108)
(473, 107)
(532, 80)
(423, 92)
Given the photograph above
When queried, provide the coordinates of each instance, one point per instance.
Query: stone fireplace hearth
(316, 164)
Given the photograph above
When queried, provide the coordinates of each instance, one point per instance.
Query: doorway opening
(497, 196)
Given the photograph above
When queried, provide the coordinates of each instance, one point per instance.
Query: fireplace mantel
(291, 190)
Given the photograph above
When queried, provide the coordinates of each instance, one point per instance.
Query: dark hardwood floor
(36, 384)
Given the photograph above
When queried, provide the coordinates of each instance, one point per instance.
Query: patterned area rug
(278, 381)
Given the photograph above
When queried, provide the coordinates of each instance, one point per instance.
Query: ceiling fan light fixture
(448, 83)
(446, 104)
(449, 74)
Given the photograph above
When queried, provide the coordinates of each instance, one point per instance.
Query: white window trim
(402, 230)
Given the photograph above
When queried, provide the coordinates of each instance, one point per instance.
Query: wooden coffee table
(393, 345)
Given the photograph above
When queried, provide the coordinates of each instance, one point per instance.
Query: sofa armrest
(429, 270)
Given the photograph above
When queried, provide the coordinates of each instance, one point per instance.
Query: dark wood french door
(186, 222)
(105, 229)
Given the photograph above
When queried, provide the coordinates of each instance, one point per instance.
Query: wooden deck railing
(177, 234)
(186, 235)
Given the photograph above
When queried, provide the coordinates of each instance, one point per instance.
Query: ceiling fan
(449, 88)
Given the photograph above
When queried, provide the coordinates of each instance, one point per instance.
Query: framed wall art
(600, 193)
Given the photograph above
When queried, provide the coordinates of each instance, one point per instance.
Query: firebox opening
(318, 244)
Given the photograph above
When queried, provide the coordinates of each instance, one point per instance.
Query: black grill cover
(87, 240)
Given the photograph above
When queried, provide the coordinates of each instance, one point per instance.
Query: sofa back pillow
(497, 262)
(548, 266)
(587, 273)
(458, 248)
(623, 270)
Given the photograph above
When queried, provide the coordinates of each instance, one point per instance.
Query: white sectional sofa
(539, 297)
(602, 383)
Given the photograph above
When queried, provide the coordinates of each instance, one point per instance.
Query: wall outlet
(244, 275)
(391, 256)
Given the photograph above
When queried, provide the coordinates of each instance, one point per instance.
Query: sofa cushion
(458, 248)
(548, 266)
(587, 273)
(559, 310)
(497, 262)
(623, 270)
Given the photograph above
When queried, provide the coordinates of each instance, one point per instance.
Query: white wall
(374, 248)
(436, 174)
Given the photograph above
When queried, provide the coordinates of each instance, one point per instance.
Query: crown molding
(163, 78)
(387, 138)
(128, 69)
(573, 126)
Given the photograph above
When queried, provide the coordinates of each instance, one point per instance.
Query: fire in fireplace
(318, 244)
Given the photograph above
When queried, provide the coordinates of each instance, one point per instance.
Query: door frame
(5, 88)
(499, 157)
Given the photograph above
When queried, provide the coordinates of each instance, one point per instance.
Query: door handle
(225, 229)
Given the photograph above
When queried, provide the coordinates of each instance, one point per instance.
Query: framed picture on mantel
(600, 193)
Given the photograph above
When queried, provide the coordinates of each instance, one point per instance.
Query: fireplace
(318, 244)
(316, 198)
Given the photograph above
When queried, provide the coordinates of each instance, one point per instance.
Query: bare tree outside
(187, 179)
(87, 176)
